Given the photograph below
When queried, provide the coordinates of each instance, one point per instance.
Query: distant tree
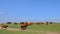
(9, 22)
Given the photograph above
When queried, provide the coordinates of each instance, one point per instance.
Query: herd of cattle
(24, 25)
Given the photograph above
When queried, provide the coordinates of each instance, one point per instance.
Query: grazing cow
(24, 25)
(4, 26)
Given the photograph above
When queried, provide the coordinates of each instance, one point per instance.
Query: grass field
(34, 29)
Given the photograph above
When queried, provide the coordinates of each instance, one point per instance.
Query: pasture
(33, 29)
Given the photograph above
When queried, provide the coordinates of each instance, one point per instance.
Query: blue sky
(29, 10)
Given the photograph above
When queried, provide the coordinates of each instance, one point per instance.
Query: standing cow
(30, 23)
(24, 25)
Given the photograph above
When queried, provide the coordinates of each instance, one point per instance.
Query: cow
(30, 23)
(4, 26)
(24, 25)
(37, 23)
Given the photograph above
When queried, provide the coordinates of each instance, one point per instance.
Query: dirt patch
(13, 29)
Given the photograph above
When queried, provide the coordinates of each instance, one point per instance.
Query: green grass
(50, 27)
(19, 32)
(14, 26)
(33, 29)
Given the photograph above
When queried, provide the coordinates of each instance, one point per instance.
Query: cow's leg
(24, 27)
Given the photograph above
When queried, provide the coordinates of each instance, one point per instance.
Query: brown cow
(4, 26)
(24, 25)
(30, 23)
